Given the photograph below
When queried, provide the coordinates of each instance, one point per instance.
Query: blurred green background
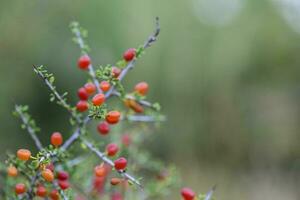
(225, 71)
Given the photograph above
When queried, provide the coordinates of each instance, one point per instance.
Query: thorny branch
(30, 129)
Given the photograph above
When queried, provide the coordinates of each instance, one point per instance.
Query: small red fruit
(115, 181)
(56, 139)
(129, 54)
(41, 191)
(62, 175)
(113, 117)
(12, 171)
(100, 171)
(48, 175)
(116, 71)
(188, 194)
(23, 154)
(112, 149)
(103, 128)
(64, 184)
(90, 88)
(50, 167)
(54, 195)
(126, 140)
(116, 196)
(82, 94)
(120, 163)
(141, 88)
(84, 62)
(82, 106)
(104, 86)
(20, 188)
(98, 99)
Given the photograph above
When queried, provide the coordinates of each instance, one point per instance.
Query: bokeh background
(227, 74)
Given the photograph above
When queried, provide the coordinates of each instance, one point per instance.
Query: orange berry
(98, 99)
(20, 188)
(115, 181)
(56, 139)
(54, 195)
(23, 154)
(104, 86)
(134, 105)
(113, 117)
(90, 88)
(48, 175)
(141, 88)
(100, 171)
(12, 171)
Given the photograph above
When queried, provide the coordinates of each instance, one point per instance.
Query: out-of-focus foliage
(225, 71)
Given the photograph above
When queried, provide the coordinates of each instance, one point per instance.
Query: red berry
(188, 194)
(90, 88)
(64, 184)
(112, 149)
(115, 181)
(62, 175)
(120, 163)
(116, 71)
(100, 170)
(82, 106)
(116, 196)
(141, 88)
(41, 191)
(103, 128)
(50, 167)
(129, 54)
(113, 117)
(126, 140)
(54, 195)
(20, 188)
(98, 99)
(82, 94)
(84, 62)
(104, 86)
(56, 139)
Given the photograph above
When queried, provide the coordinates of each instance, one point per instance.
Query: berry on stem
(64, 185)
(120, 163)
(48, 175)
(115, 181)
(116, 71)
(141, 88)
(103, 128)
(23, 154)
(129, 54)
(54, 195)
(188, 194)
(56, 139)
(41, 191)
(113, 117)
(104, 86)
(82, 106)
(62, 175)
(112, 149)
(20, 188)
(90, 88)
(98, 99)
(100, 171)
(134, 105)
(12, 171)
(84, 62)
(82, 94)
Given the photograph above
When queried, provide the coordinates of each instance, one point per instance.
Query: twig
(210, 193)
(57, 95)
(91, 68)
(144, 118)
(131, 64)
(105, 159)
(30, 130)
